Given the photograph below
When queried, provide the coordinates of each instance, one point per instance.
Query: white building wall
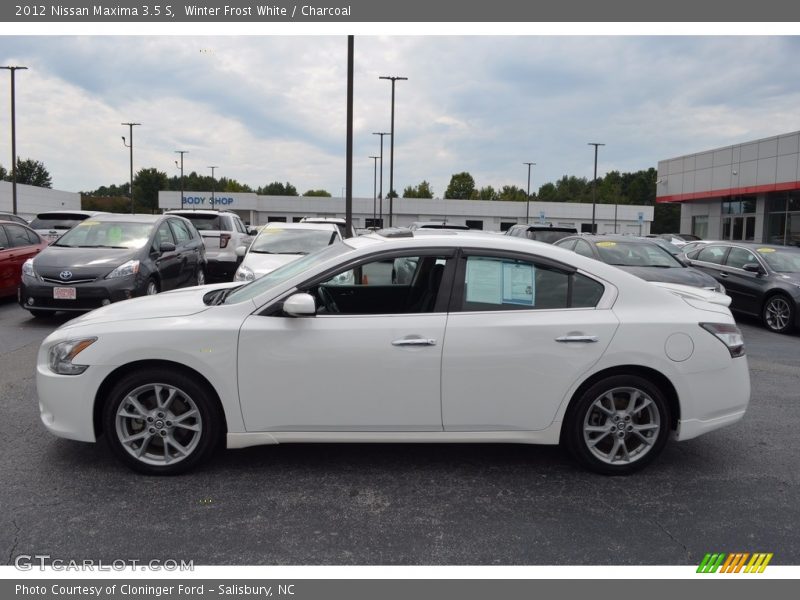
(32, 200)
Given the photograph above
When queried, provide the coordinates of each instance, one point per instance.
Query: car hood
(684, 276)
(261, 264)
(56, 257)
(177, 303)
(793, 278)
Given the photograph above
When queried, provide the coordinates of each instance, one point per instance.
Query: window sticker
(518, 284)
(491, 281)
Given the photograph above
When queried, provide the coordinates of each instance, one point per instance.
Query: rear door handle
(415, 341)
(723, 274)
(584, 339)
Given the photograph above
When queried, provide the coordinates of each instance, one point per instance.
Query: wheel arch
(652, 375)
(117, 374)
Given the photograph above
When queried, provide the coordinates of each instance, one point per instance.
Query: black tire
(41, 314)
(777, 314)
(152, 284)
(625, 439)
(166, 425)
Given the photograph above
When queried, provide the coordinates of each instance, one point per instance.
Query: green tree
(3, 173)
(30, 172)
(146, 185)
(462, 186)
(512, 193)
(423, 190)
(487, 193)
(318, 193)
(276, 188)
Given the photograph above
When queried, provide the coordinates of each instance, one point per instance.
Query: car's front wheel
(778, 313)
(161, 422)
(200, 277)
(617, 426)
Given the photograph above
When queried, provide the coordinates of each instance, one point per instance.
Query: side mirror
(754, 268)
(240, 251)
(300, 305)
(166, 247)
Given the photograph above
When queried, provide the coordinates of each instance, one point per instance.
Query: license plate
(64, 293)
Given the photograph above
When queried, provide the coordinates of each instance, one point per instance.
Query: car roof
(752, 245)
(88, 213)
(311, 226)
(541, 227)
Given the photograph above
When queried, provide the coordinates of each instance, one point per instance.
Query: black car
(761, 279)
(108, 258)
(641, 257)
(541, 233)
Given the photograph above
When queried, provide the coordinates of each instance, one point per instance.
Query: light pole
(130, 129)
(181, 152)
(391, 148)
(212, 167)
(594, 184)
(12, 70)
(374, 185)
(380, 187)
(528, 194)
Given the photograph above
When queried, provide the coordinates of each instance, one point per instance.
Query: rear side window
(18, 236)
(711, 254)
(507, 284)
(3, 238)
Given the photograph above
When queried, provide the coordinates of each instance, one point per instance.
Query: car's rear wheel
(778, 313)
(161, 422)
(152, 287)
(617, 426)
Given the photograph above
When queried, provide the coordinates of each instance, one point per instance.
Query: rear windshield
(204, 222)
(57, 221)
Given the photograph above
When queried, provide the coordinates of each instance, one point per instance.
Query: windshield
(56, 221)
(291, 241)
(284, 273)
(98, 234)
(631, 254)
(781, 261)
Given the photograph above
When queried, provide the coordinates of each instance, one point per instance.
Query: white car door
(368, 361)
(521, 333)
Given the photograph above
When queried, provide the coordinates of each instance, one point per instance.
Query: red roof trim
(752, 189)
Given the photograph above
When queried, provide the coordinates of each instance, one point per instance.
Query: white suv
(222, 232)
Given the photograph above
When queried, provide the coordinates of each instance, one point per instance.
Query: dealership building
(748, 191)
(489, 215)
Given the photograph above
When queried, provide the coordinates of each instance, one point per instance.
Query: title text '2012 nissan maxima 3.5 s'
(490, 339)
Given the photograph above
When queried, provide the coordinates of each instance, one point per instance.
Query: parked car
(341, 224)
(112, 257)
(281, 243)
(51, 225)
(619, 365)
(222, 231)
(437, 225)
(18, 243)
(762, 279)
(640, 257)
(6, 216)
(678, 239)
(540, 232)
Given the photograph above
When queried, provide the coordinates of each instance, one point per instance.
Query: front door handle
(585, 339)
(414, 341)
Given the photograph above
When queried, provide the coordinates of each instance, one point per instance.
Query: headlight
(62, 354)
(27, 268)
(244, 274)
(129, 268)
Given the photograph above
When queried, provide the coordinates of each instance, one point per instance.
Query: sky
(265, 108)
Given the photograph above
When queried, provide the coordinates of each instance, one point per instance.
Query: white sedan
(491, 339)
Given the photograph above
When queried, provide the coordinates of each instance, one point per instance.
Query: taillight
(224, 238)
(727, 334)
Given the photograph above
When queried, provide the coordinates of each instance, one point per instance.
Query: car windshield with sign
(632, 254)
(96, 234)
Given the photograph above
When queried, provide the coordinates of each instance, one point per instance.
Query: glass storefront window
(700, 226)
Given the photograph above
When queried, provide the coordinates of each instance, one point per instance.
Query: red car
(18, 243)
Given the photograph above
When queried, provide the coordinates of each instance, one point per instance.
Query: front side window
(18, 236)
(493, 283)
(401, 285)
(739, 257)
(182, 234)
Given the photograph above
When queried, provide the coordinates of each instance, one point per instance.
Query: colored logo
(735, 563)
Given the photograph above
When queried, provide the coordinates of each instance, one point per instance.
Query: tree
(423, 190)
(30, 172)
(276, 188)
(3, 173)
(462, 186)
(146, 185)
(487, 193)
(512, 193)
(318, 193)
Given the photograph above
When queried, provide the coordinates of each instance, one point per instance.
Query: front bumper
(35, 294)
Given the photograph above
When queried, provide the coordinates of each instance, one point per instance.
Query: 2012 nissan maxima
(490, 339)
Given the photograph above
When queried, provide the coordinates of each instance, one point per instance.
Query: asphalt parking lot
(735, 489)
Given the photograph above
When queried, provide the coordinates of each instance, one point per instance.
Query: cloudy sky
(273, 108)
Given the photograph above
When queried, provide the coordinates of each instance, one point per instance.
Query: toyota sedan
(491, 339)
